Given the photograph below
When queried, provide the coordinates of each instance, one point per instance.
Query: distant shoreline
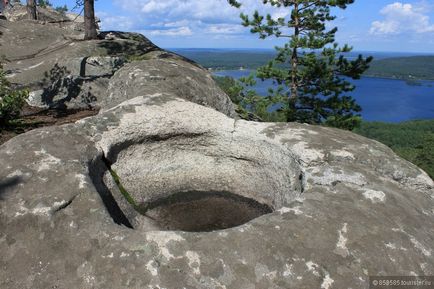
(410, 67)
(408, 80)
(253, 50)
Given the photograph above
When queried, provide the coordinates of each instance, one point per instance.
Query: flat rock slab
(343, 207)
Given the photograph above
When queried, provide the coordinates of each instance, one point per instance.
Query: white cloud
(403, 18)
(173, 24)
(111, 22)
(180, 31)
(155, 6)
(181, 9)
(225, 29)
(187, 17)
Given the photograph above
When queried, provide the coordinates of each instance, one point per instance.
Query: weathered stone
(163, 72)
(328, 210)
(60, 70)
(16, 12)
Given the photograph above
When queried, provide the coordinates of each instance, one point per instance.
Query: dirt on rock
(35, 117)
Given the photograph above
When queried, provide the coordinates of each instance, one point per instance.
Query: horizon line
(256, 48)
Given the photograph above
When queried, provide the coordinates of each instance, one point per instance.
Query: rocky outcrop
(159, 192)
(17, 12)
(60, 70)
(163, 72)
(162, 189)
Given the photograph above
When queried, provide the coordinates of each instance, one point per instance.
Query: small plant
(137, 57)
(140, 208)
(11, 101)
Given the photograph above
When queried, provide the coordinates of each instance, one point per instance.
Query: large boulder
(159, 192)
(61, 70)
(163, 72)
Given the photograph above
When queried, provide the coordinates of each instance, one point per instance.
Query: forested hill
(387, 65)
(408, 68)
(227, 59)
(413, 140)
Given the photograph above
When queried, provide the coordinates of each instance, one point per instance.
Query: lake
(386, 100)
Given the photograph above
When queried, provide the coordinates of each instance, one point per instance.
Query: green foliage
(122, 189)
(128, 197)
(251, 106)
(62, 9)
(138, 57)
(228, 60)
(44, 3)
(411, 69)
(11, 101)
(407, 68)
(413, 141)
(231, 87)
(308, 70)
(425, 155)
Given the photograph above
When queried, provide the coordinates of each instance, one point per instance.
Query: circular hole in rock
(204, 211)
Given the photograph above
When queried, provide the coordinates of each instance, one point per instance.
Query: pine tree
(310, 70)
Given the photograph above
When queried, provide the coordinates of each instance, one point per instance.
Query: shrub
(62, 9)
(11, 100)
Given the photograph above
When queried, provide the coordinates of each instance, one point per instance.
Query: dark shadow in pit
(97, 169)
(7, 183)
(204, 211)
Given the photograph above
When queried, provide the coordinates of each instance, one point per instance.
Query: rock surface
(60, 70)
(163, 72)
(328, 208)
(16, 11)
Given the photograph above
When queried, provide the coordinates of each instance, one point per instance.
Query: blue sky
(368, 25)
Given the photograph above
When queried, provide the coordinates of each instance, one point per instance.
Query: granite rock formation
(164, 189)
(60, 70)
(218, 203)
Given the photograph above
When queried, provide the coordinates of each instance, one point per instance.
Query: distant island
(385, 65)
